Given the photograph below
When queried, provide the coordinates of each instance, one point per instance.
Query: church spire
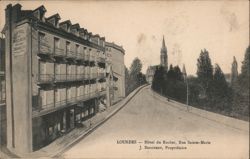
(164, 56)
(163, 42)
(163, 47)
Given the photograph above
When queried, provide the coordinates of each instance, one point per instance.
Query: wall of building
(116, 57)
(53, 80)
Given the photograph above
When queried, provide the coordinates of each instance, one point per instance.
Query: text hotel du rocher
(163, 144)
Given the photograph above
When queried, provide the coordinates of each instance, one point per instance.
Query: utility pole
(187, 94)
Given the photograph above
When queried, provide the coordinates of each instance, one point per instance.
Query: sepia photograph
(124, 79)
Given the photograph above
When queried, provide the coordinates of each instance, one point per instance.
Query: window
(56, 43)
(41, 36)
(57, 95)
(42, 67)
(77, 49)
(69, 69)
(69, 93)
(50, 131)
(57, 69)
(43, 98)
(67, 46)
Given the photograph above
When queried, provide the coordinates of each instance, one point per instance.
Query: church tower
(164, 56)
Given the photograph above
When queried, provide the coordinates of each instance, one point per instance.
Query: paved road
(146, 118)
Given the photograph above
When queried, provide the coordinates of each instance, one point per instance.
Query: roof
(115, 46)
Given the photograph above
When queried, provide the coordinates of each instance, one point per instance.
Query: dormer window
(54, 20)
(39, 13)
(65, 25)
(75, 29)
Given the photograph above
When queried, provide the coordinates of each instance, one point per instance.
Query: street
(146, 120)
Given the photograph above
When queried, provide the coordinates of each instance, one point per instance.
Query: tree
(136, 66)
(177, 73)
(221, 94)
(159, 80)
(171, 74)
(126, 80)
(244, 76)
(204, 70)
(241, 89)
(136, 78)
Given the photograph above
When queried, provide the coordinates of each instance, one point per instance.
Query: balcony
(45, 78)
(80, 56)
(72, 100)
(86, 76)
(101, 75)
(61, 103)
(91, 58)
(44, 48)
(52, 107)
(60, 77)
(80, 77)
(101, 59)
(59, 52)
(71, 54)
(86, 57)
(93, 75)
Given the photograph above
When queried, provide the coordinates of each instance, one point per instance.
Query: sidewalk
(63, 143)
(225, 120)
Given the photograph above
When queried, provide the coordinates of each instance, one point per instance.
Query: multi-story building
(2, 70)
(115, 58)
(2, 94)
(55, 76)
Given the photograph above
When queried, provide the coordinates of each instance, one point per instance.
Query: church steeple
(164, 56)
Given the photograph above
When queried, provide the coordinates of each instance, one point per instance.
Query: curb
(225, 120)
(89, 131)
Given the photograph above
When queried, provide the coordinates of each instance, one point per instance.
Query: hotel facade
(55, 77)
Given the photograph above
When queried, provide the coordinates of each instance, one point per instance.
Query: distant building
(55, 79)
(115, 56)
(150, 73)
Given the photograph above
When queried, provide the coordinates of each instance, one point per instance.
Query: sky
(222, 27)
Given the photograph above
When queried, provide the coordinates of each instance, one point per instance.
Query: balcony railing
(80, 56)
(47, 108)
(101, 59)
(61, 103)
(93, 75)
(86, 76)
(91, 58)
(101, 75)
(68, 77)
(44, 78)
(86, 57)
(60, 77)
(47, 78)
(44, 48)
(59, 52)
(71, 54)
(80, 77)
